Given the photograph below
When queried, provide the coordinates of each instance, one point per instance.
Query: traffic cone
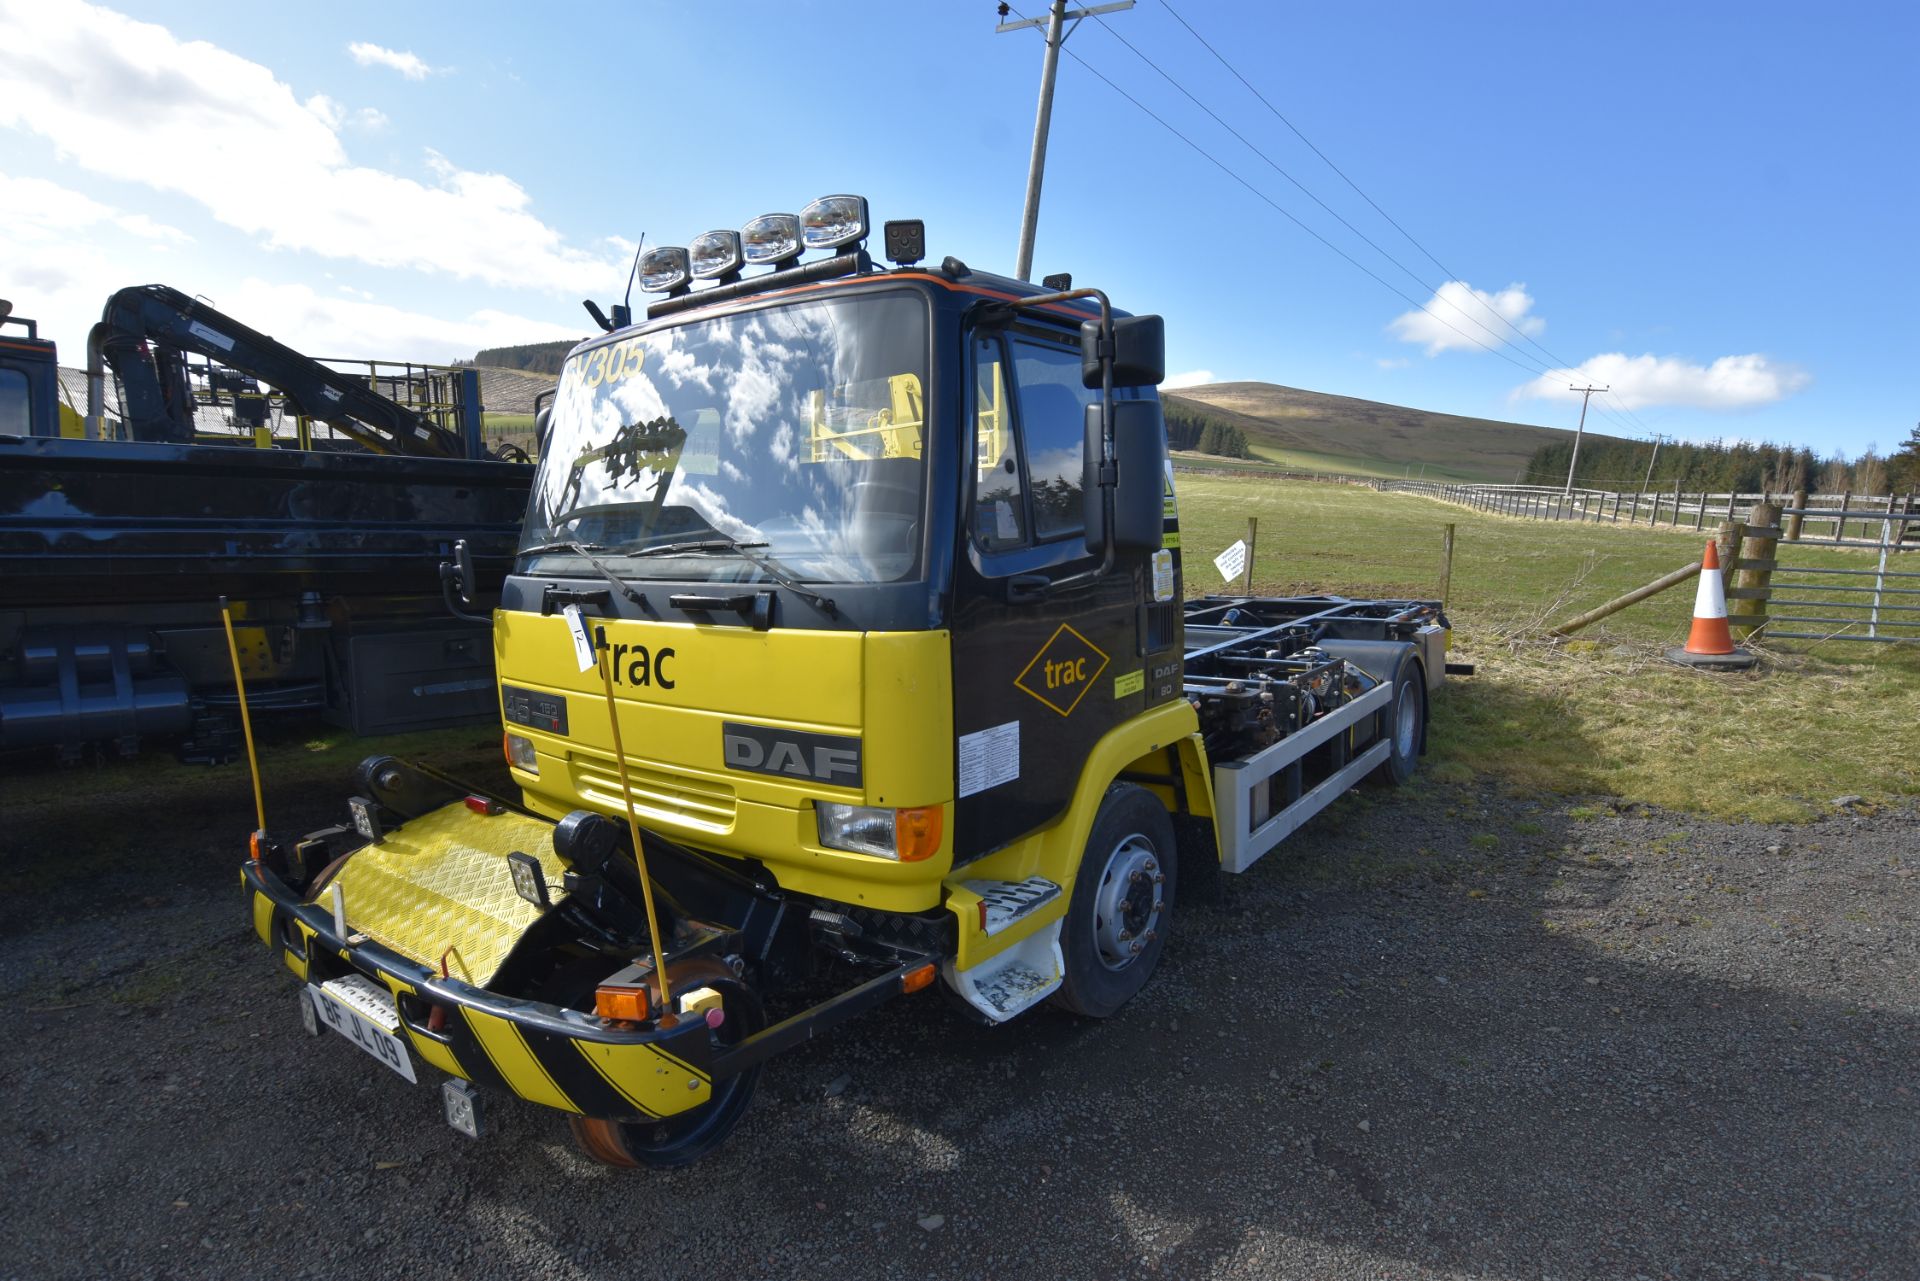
(1710, 634)
(1709, 642)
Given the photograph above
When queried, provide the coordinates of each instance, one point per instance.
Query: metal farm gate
(1867, 604)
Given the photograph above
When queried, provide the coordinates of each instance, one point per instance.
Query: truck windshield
(795, 430)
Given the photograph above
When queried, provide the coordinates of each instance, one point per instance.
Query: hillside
(1315, 431)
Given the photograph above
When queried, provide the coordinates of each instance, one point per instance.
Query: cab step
(1015, 980)
(1005, 903)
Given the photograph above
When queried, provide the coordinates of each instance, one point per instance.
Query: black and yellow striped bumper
(544, 1053)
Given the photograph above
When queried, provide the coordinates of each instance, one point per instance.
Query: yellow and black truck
(845, 638)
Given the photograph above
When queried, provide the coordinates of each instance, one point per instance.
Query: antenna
(623, 314)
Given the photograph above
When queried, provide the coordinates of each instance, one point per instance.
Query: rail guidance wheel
(1122, 904)
(687, 1136)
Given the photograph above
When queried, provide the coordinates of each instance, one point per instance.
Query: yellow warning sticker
(1132, 683)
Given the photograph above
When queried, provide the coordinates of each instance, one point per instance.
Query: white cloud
(312, 322)
(1192, 378)
(1392, 362)
(1460, 317)
(1731, 382)
(373, 55)
(117, 96)
(34, 209)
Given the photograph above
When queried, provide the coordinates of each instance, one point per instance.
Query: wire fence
(1844, 519)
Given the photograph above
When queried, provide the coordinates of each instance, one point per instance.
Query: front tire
(1122, 904)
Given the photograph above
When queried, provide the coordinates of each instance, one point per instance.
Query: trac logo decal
(1064, 670)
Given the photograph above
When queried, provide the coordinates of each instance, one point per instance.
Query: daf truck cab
(846, 635)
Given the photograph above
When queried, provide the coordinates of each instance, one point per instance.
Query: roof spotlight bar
(775, 240)
(847, 264)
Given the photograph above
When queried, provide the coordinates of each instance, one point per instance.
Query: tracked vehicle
(845, 646)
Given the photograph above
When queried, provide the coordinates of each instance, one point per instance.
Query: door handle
(1025, 589)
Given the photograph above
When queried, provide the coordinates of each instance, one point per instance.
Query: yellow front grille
(658, 794)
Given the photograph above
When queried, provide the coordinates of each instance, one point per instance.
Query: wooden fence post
(1676, 504)
(1798, 518)
(1840, 525)
(1753, 584)
(1700, 517)
(1253, 533)
(1446, 563)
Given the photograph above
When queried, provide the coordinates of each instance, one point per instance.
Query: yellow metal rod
(246, 723)
(633, 823)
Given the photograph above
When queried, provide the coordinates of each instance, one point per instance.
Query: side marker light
(914, 980)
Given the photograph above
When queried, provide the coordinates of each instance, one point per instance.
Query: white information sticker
(1163, 575)
(219, 340)
(989, 757)
(582, 643)
(1232, 562)
(1007, 529)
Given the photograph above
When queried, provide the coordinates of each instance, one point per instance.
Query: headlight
(771, 238)
(904, 835)
(715, 254)
(832, 221)
(520, 754)
(663, 269)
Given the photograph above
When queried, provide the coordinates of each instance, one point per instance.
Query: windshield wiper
(747, 552)
(585, 552)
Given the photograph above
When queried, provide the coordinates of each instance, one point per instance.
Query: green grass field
(1602, 713)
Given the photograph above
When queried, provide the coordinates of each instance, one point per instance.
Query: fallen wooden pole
(1729, 540)
(1633, 597)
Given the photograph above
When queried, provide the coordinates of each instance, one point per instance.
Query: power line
(1527, 363)
(1631, 420)
(1284, 212)
(1308, 192)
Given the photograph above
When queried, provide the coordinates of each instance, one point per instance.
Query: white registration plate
(363, 1012)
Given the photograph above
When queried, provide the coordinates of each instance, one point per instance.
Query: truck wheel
(687, 1136)
(1122, 904)
(1406, 726)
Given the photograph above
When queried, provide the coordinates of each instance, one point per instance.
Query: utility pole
(1058, 14)
(1657, 438)
(1586, 394)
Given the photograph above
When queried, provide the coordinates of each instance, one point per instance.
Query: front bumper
(546, 1054)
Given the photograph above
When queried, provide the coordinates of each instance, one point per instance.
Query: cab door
(1039, 674)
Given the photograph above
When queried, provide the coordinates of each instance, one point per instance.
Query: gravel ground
(1445, 1032)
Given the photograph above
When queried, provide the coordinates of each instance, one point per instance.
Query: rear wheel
(680, 1139)
(1406, 726)
(1122, 904)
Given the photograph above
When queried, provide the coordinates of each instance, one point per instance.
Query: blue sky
(1710, 207)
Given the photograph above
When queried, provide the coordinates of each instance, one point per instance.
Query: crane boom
(145, 331)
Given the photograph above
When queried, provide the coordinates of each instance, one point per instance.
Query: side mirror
(456, 585)
(542, 421)
(1140, 454)
(1139, 352)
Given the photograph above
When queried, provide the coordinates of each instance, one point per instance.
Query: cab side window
(1053, 415)
(999, 491)
(16, 418)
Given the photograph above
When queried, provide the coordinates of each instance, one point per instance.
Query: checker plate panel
(441, 881)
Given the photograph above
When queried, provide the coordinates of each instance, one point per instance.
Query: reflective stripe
(649, 1078)
(431, 1050)
(299, 964)
(523, 1072)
